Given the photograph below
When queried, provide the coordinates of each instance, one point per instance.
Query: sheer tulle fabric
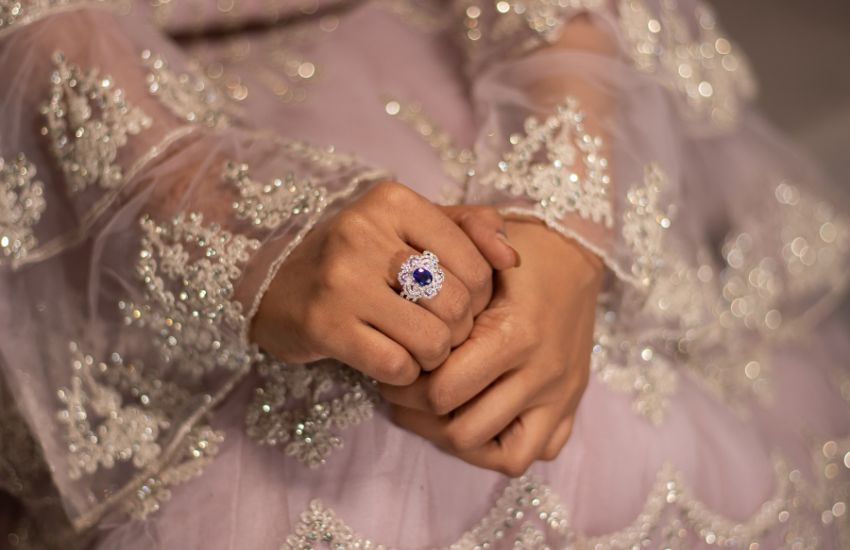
(689, 215)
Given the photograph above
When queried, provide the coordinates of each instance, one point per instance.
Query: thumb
(486, 229)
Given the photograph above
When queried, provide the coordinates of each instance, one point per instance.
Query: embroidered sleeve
(140, 223)
(681, 48)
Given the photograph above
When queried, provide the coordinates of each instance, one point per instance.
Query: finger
(374, 354)
(452, 305)
(470, 368)
(523, 442)
(489, 414)
(486, 228)
(426, 337)
(559, 438)
(515, 450)
(425, 227)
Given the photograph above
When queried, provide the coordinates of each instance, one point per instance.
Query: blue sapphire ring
(421, 276)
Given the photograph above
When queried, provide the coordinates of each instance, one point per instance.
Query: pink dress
(160, 160)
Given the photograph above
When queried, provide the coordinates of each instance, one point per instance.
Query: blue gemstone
(422, 276)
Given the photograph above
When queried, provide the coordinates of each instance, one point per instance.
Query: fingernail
(504, 238)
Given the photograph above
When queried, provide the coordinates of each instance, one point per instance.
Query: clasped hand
(492, 368)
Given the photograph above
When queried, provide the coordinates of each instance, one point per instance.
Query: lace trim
(15, 14)
(529, 511)
(22, 204)
(61, 243)
(188, 270)
(88, 122)
(332, 398)
(558, 164)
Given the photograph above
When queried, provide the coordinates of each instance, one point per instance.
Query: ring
(421, 276)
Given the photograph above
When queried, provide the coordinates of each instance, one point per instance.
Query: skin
(336, 296)
(508, 395)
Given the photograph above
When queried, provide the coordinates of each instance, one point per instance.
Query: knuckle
(461, 438)
(480, 277)
(394, 368)
(437, 346)
(458, 306)
(438, 400)
(391, 192)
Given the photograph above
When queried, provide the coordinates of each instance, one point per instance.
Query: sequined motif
(188, 270)
(644, 223)
(88, 121)
(558, 164)
(300, 408)
(190, 96)
(22, 204)
(270, 205)
(528, 514)
(199, 449)
(124, 433)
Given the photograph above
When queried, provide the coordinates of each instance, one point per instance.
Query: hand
(508, 395)
(336, 295)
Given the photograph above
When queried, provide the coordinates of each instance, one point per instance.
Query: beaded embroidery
(124, 432)
(199, 449)
(332, 397)
(21, 207)
(270, 205)
(188, 270)
(88, 122)
(558, 164)
(643, 225)
(528, 512)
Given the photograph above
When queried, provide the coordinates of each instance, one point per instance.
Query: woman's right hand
(336, 295)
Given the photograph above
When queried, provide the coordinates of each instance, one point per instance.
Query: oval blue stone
(422, 276)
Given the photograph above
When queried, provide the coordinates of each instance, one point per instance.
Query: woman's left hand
(508, 395)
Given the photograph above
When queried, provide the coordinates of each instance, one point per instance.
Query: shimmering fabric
(150, 189)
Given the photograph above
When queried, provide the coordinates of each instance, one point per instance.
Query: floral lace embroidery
(200, 448)
(188, 270)
(644, 224)
(703, 70)
(632, 367)
(546, 164)
(270, 205)
(528, 512)
(307, 432)
(21, 207)
(124, 432)
(189, 96)
(88, 121)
